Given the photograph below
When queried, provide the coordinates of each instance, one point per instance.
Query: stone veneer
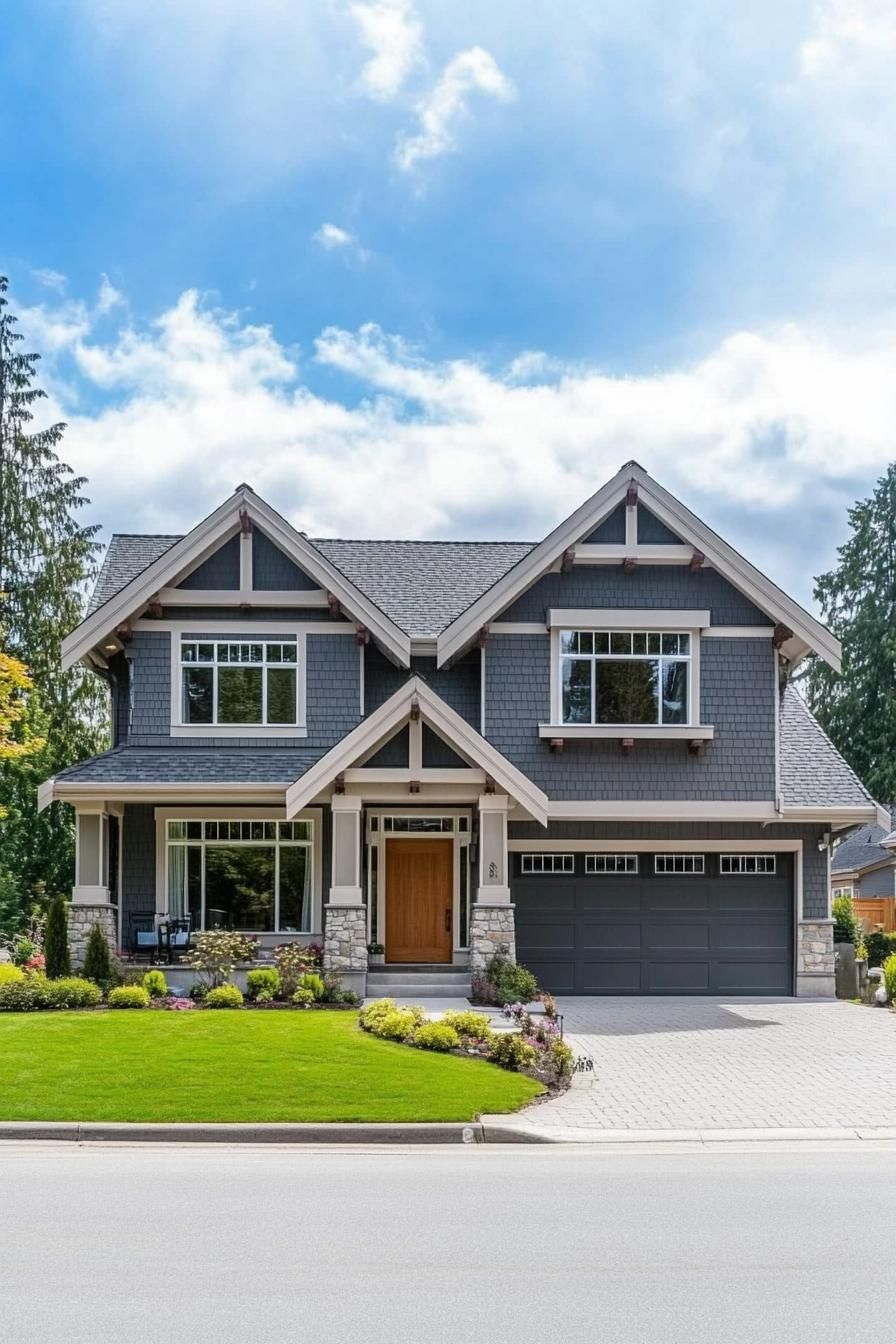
(81, 919)
(345, 938)
(492, 929)
(815, 959)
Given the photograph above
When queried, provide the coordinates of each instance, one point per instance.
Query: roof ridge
(421, 541)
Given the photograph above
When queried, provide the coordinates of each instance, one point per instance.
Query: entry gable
(207, 553)
(417, 703)
(677, 537)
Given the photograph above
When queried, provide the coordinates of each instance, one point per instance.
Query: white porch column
(92, 901)
(345, 916)
(492, 926)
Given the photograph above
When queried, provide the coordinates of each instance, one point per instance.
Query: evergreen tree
(46, 559)
(858, 601)
(56, 951)
(97, 960)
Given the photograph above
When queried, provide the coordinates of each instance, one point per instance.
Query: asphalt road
(436, 1246)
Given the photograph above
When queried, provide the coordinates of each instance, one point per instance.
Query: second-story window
(625, 676)
(247, 682)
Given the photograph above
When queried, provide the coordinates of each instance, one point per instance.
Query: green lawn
(234, 1066)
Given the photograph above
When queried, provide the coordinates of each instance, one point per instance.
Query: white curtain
(177, 876)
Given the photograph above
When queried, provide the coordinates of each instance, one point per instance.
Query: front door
(419, 900)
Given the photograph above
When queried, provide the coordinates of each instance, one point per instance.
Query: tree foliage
(858, 601)
(47, 557)
(56, 949)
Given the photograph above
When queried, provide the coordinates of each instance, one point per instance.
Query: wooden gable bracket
(483, 637)
(154, 608)
(557, 745)
(489, 784)
(362, 635)
(695, 747)
(415, 710)
(339, 783)
(629, 565)
(696, 563)
(245, 523)
(568, 560)
(781, 635)
(631, 494)
(124, 632)
(627, 744)
(414, 786)
(333, 606)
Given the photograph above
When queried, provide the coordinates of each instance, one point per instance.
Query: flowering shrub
(303, 998)
(316, 953)
(178, 1004)
(216, 954)
(510, 1051)
(36, 963)
(293, 960)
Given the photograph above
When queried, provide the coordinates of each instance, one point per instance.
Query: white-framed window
(611, 863)
(547, 863)
(735, 865)
(236, 683)
(843, 891)
(253, 875)
(679, 863)
(625, 676)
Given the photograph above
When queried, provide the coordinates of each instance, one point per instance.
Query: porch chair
(143, 936)
(174, 937)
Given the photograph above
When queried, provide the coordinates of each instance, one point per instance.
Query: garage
(656, 923)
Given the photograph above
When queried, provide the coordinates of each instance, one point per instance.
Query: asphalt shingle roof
(420, 585)
(813, 773)
(863, 849)
(204, 765)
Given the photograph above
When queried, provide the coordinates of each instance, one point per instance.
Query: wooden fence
(872, 912)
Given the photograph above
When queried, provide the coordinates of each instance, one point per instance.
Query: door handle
(448, 920)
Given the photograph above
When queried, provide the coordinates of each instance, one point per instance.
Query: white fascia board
(449, 724)
(45, 793)
(661, 810)
(627, 618)
(761, 590)
(190, 549)
(142, 791)
(846, 816)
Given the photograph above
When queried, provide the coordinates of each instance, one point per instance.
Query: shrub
(10, 974)
(381, 1011)
(97, 961)
(512, 983)
(889, 970)
(58, 957)
(469, 1026)
(224, 996)
(436, 1036)
(559, 1060)
(155, 984)
(512, 1052)
(215, 955)
(315, 953)
(265, 980)
(375, 1012)
(198, 992)
(24, 950)
(846, 925)
(348, 996)
(27, 995)
(73, 992)
(128, 996)
(879, 946)
(397, 1025)
(292, 961)
(303, 997)
(311, 980)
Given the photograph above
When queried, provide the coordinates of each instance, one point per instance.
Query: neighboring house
(585, 749)
(863, 866)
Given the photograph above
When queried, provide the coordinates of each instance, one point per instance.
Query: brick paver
(685, 1064)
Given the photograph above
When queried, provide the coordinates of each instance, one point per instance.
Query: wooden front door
(419, 900)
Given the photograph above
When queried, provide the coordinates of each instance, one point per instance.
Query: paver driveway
(685, 1064)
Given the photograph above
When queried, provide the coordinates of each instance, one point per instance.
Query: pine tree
(56, 951)
(97, 960)
(858, 601)
(46, 559)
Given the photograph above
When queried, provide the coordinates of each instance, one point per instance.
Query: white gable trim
(192, 549)
(446, 722)
(808, 632)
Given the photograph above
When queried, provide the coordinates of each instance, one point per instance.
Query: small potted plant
(376, 954)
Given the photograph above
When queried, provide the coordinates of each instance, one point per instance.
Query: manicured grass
(234, 1066)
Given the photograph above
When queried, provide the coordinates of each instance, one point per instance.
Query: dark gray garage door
(650, 933)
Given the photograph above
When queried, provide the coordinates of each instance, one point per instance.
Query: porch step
(402, 982)
(416, 993)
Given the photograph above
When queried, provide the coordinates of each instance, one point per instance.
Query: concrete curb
(71, 1132)
(500, 1131)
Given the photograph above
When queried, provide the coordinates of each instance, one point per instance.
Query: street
(438, 1246)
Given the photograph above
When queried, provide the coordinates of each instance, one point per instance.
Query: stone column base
(81, 919)
(492, 930)
(345, 945)
(815, 959)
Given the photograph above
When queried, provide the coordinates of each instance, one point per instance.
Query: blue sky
(427, 269)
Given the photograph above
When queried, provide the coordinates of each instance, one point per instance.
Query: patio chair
(143, 936)
(174, 938)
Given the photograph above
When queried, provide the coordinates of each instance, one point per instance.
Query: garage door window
(547, 863)
(611, 863)
(676, 864)
(742, 865)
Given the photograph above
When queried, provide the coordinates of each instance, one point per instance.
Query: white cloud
(331, 237)
(473, 71)
(846, 33)
(393, 32)
(108, 297)
(50, 279)
(784, 419)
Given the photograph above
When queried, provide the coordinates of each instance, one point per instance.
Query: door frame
(462, 877)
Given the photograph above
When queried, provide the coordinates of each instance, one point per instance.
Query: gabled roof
(863, 849)
(127, 555)
(767, 596)
(416, 694)
(813, 773)
(200, 542)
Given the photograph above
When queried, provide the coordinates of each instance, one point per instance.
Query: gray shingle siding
(737, 698)
(815, 864)
(220, 570)
(654, 533)
(649, 586)
(458, 685)
(877, 882)
(392, 754)
(272, 570)
(611, 530)
(437, 754)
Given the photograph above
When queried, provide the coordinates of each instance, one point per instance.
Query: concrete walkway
(679, 1064)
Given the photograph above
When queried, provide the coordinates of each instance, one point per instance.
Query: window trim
(741, 859)
(561, 865)
(242, 633)
(630, 865)
(683, 859)
(596, 658)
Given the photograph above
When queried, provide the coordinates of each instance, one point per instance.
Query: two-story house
(587, 750)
